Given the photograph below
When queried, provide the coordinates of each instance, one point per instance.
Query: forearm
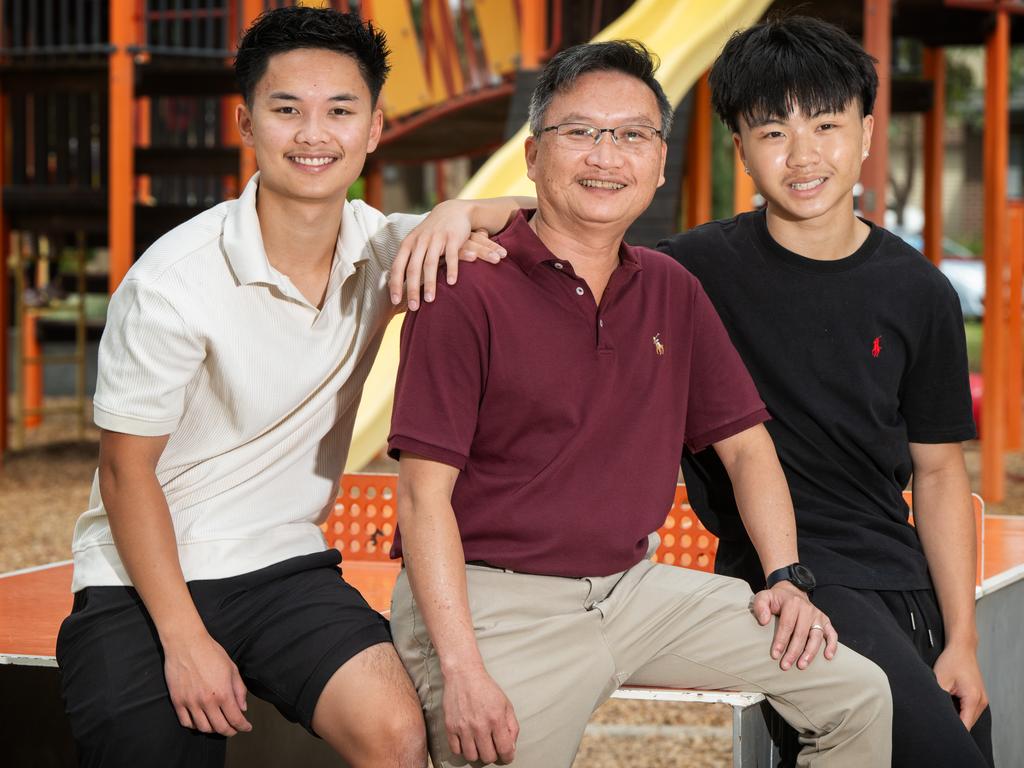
(762, 496)
(140, 522)
(436, 567)
(492, 214)
(945, 524)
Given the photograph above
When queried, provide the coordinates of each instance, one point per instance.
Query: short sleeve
(935, 394)
(722, 399)
(147, 358)
(440, 380)
(388, 239)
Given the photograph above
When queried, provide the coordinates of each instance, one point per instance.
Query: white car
(964, 270)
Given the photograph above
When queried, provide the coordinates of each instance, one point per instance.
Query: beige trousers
(559, 647)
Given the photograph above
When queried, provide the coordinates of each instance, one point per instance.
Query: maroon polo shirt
(566, 419)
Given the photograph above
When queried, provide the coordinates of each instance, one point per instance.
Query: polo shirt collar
(529, 251)
(243, 245)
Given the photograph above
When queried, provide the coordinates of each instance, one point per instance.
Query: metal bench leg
(752, 745)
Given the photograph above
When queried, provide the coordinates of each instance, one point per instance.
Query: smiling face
(603, 184)
(804, 166)
(311, 123)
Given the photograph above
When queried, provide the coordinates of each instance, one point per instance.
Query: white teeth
(601, 184)
(808, 184)
(313, 160)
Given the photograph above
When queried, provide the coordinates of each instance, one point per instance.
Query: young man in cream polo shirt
(230, 373)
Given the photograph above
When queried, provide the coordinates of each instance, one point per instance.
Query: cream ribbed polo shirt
(258, 389)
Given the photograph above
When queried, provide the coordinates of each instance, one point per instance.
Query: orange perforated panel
(362, 524)
(684, 539)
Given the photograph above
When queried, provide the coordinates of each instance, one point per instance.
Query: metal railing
(54, 28)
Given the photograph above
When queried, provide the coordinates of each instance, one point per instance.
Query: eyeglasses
(582, 136)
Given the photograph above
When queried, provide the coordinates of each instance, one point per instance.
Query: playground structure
(118, 125)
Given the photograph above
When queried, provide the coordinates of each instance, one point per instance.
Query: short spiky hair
(295, 27)
(765, 70)
(627, 56)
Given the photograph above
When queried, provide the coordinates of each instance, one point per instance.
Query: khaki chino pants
(559, 647)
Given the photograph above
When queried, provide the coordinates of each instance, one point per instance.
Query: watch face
(802, 576)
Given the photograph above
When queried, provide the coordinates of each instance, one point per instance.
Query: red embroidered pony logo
(876, 346)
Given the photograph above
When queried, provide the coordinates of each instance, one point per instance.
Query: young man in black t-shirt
(856, 344)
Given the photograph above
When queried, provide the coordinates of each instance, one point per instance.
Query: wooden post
(996, 153)
(874, 174)
(743, 189)
(120, 137)
(533, 21)
(1014, 364)
(934, 130)
(698, 164)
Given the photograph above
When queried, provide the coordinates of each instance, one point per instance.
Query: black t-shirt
(855, 359)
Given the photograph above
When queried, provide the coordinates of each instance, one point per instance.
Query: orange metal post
(533, 21)
(934, 129)
(996, 153)
(374, 194)
(878, 42)
(33, 376)
(1014, 370)
(143, 137)
(698, 164)
(121, 170)
(249, 9)
(743, 189)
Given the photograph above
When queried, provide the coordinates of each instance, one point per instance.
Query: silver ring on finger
(817, 627)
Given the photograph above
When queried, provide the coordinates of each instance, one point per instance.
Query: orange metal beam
(996, 154)
(1014, 363)
(934, 131)
(533, 22)
(698, 165)
(743, 189)
(874, 174)
(121, 169)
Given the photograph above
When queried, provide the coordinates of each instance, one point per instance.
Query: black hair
(627, 56)
(765, 70)
(291, 28)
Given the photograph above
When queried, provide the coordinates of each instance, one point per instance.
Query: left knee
(397, 739)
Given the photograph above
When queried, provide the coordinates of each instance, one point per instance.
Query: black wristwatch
(799, 576)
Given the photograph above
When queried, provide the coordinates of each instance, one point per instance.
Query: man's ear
(376, 128)
(664, 157)
(737, 141)
(531, 156)
(868, 125)
(243, 119)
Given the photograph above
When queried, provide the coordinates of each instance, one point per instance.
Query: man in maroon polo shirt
(540, 413)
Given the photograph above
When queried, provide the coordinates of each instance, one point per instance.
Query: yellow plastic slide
(686, 35)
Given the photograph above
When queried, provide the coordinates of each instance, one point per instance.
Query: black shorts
(289, 627)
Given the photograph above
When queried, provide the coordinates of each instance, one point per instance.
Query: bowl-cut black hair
(784, 62)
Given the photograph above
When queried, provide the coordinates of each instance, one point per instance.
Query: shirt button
(600, 323)
(558, 265)
(579, 291)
